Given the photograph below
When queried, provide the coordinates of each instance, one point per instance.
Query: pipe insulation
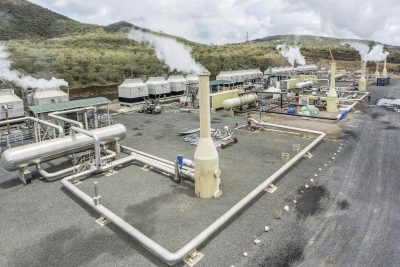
(175, 257)
(56, 175)
(347, 109)
(52, 125)
(242, 100)
(47, 150)
(56, 115)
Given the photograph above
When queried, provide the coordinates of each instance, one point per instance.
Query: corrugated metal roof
(217, 82)
(81, 103)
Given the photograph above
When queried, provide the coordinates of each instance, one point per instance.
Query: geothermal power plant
(190, 167)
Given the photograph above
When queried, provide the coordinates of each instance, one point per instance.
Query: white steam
(292, 54)
(176, 55)
(375, 54)
(21, 80)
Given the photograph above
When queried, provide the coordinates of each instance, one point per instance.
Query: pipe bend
(55, 116)
(96, 144)
(287, 127)
(53, 175)
(58, 127)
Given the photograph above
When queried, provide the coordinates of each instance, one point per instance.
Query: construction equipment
(151, 106)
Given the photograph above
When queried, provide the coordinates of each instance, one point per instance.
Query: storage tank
(50, 149)
(305, 84)
(307, 68)
(177, 84)
(242, 100)
(158, 87)
(278, 70)
(11, 104)
(47, 96)
(132, 91)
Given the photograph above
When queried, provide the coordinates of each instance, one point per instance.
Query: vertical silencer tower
(332, 98)
(362, 84)
(377, 70)
(384, 72)
(206, 160)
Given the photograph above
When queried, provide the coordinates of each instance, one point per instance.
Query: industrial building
(177, 84)
(132, 91)
(240, 76)
(46, 96)
(158, 87)
(11, 105)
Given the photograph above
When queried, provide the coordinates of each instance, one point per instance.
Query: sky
(227, 21)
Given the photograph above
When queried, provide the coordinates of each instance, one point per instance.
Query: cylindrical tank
(242, 100)
(56, 148)
(132, 91)
(158, 87)
(305, 84)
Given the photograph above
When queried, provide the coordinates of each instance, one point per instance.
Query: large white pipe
(56, 175)
(59, 118)
(229, 104)
(344, 112)
(305, 84)
(55, 115)
(174, 257)
(58, 127)
(154, 157)
(46, 150)
(96, 142)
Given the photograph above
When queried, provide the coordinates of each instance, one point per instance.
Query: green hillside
(45, 44)
(20, 19)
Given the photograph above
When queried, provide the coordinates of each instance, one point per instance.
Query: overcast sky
(226, 21)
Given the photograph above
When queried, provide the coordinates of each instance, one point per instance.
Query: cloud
(226, 21)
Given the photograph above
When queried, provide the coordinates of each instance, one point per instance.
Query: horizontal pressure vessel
(239, 101)
(59, 147)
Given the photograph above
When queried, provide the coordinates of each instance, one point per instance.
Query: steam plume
(176, 55)
(375, 54)
(21, 80)
(292, 54)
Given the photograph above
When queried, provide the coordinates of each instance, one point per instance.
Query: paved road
(366, 231)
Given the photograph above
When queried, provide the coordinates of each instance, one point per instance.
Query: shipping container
(383, 81)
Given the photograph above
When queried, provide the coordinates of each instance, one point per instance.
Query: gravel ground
(336, 220)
